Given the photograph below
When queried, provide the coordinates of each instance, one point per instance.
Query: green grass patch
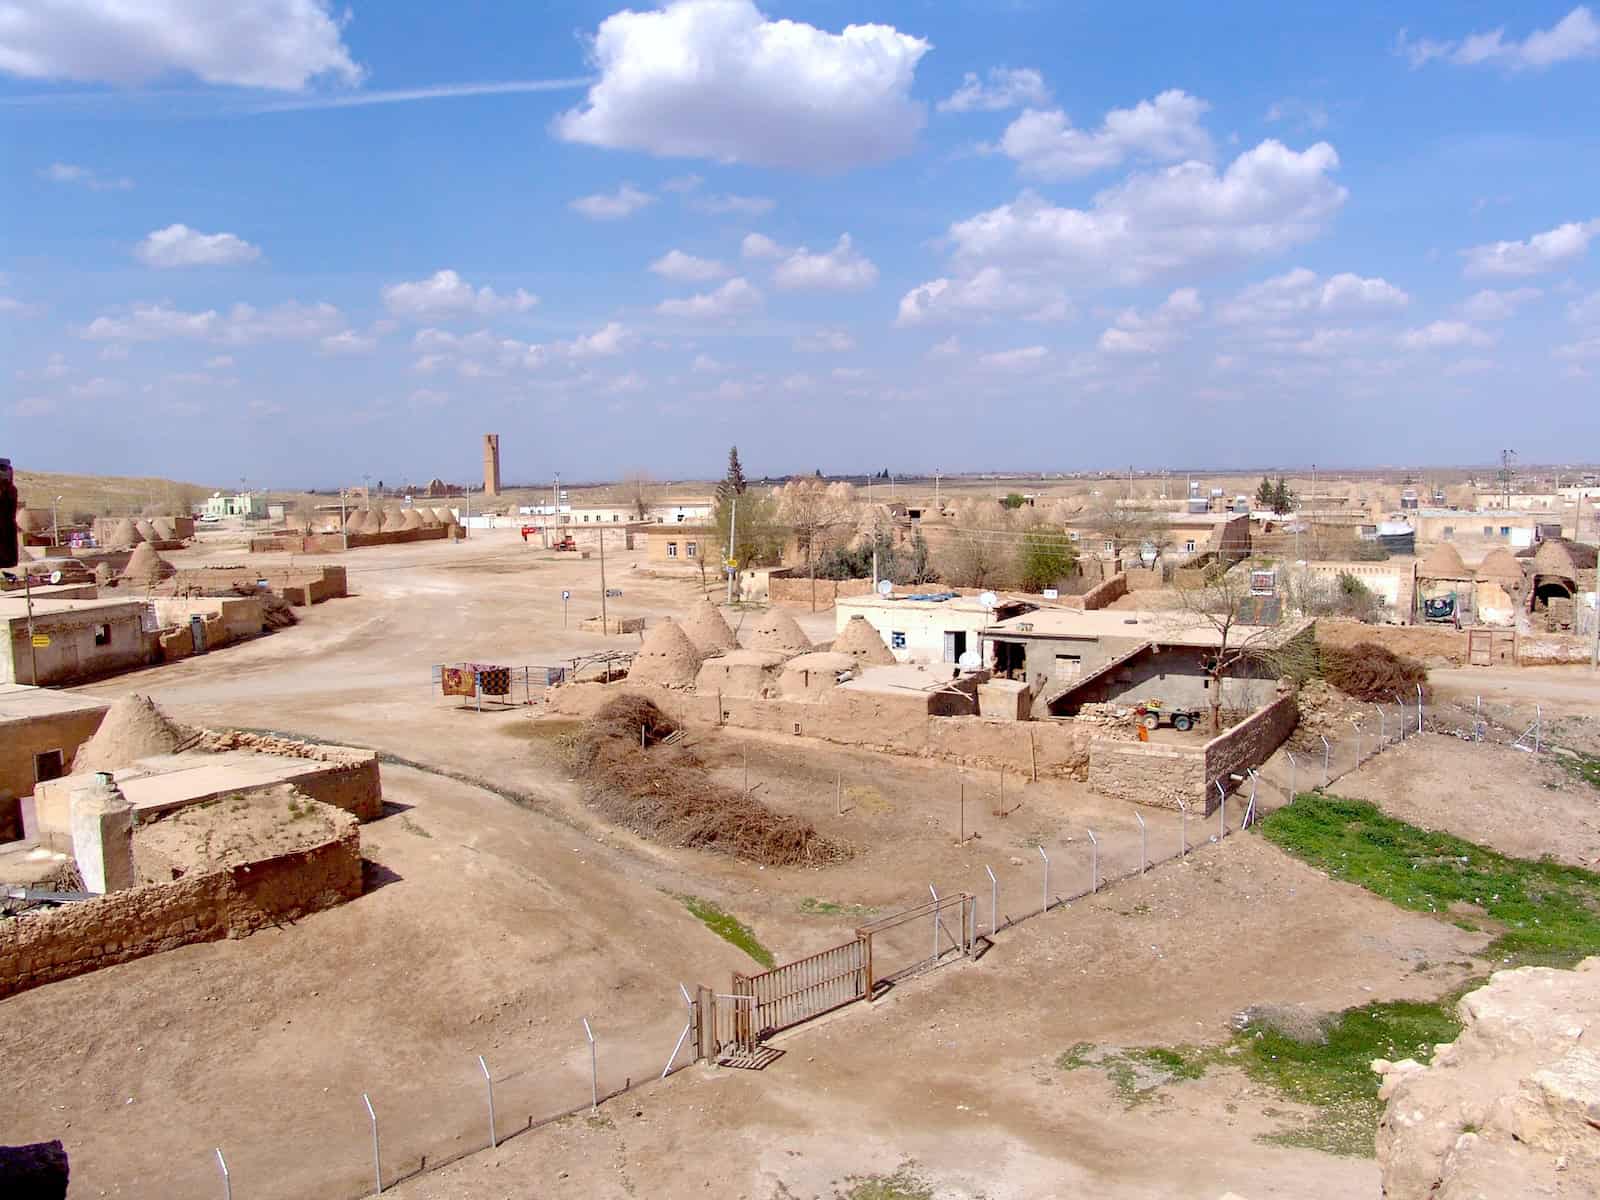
(812, 907)
(729, 928)
(1139, 1074)
(904, 1184)
(1545, 913)
(1580, 765)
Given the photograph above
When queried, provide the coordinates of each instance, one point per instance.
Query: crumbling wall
(1248, 744)
(298, 586)
(1148, 772)
(350, 781)
(796, 590)
(43, 947)
(1541, 648)
(235, 617)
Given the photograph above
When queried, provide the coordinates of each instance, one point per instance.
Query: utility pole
(33, 647)
(343, 532)
(733, 526)
(466, 530)
(55, 521)
(604, 624)
(937, 507)
(1505, 475)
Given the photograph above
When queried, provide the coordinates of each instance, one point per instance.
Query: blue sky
(298, 244)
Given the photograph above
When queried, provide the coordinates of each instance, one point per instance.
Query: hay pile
(777, 630)
(1373, 673)
(863, 643)
(147, 568)
(665, 794)
(134, 728)
(707, 629)
(666, 656)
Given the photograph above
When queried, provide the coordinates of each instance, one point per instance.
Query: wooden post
(867, 955)
(1033, 754)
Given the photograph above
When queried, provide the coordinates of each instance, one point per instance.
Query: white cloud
(1300, 113)
(825, 341)
(850, 374)
(33, 406)
(1585, 311)
(1575, 36)
(1301, 292)
(734, 297)
(686, 268)
(716, 79)
(180, 246)
(1443, 335)
(99, 388)
(842, 269)
(245, 43)
(1542, 252)
(613, 206)
(726, 203)
(1490, 305)
(1135, 333)
(85, 177)
(759, 245)
(1026, 358)
(1166, 129)
(730, 389)
(243, 324)
(602, 343)
(444, 295)
(706, 365)
(682, 185)
(220, 362)
(949, 348)
(987, 293)
(55, 367)
(349, 342)
(1007, 87)
(798, 382)
(1153, 225)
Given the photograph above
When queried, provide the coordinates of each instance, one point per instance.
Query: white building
(926, 627)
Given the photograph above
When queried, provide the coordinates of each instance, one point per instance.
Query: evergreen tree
(733, 484)
(1266, 494)
(1282, 497)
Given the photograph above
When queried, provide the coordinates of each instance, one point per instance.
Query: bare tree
(1130, 526)
(817, 513)
(1221, 601)
(637, 485)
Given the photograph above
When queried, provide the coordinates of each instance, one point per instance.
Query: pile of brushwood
(664, 793)
(1371, 672)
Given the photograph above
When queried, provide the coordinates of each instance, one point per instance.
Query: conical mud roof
(777, 630)
(863, 643)
(666, 656)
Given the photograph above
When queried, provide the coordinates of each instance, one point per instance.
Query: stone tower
(491, 464)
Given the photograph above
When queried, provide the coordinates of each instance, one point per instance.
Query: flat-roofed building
(926, 627)
(40, 732)
(73, 640)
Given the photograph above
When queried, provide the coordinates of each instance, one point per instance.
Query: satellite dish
(969, 660)
(885, 587)
(55, 576)
(1148, 554)
(988, 599)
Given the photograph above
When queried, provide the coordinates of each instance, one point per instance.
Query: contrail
(444, 91)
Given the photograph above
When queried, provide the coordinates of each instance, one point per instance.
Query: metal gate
(805, 988)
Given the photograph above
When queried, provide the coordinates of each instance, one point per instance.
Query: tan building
(1476, 531)
(682, 545)
(73, 639)
(1185, 536)
(40, 732)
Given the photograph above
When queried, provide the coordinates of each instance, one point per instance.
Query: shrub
(1370, 672)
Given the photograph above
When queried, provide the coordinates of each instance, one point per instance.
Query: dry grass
(665, 793)
(1371, 672)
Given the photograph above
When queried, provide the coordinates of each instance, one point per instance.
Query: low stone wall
(1538, 649)
(349, 779)
(795, 590)
(1142, 579)
(228, 618)
(1432, 644)
(298, 586)
(1248, 744)
(43, 947)
(1103, 594)
(1148, 772)
(328, 543)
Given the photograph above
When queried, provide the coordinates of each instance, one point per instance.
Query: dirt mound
(708, 630)
(1508, 1108)
(1443, 562)
(1370, 672)
(1500, 565)
(123, 535)
(146, 568)
(134, 728)
(103, 574)
(666, 656)
(863, 643)
(777, 630)
(664, 793)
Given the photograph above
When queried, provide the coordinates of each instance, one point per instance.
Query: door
(955, 644)
(1480, 647)
(1069, 666)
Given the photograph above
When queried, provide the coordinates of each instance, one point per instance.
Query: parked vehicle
(1153, 714)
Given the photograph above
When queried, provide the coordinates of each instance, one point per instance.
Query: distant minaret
(491, 464)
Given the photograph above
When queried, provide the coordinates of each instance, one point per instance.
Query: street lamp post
(55, 521)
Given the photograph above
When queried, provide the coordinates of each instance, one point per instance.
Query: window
(897, 640)
(672, 549)
(1505, 531)
(616, 516)
(50, 764)
(1188, 546)
(689, 549)
(102, 635)
(1488, 531)
(1111, 546)
(1449, 532)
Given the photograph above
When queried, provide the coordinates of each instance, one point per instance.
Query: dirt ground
(231, 830)
(497, 916)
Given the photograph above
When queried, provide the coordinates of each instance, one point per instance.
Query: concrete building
(40, 732)
(1186, 535)
(491, 464)
(926, 627)
(73, 639)
(686, 510)
(1476, 530)
(682, 545)
(1544, 502)
(1070, 658)
(243, 504)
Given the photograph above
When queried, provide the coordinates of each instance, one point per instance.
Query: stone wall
(234, 617)
(1432, 644)
(795, 590)
(298, 586)
(43, 947)
(329, 543)
(1105, 593)
(1148, 772)
(1143, 579)
(1248, 744)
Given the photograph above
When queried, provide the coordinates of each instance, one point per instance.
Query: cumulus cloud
(842, 269)
(445, 295)
(1542, 252)
(825, 341)
(1301, 292)
(1045, 144)
(704, 364)
(717, 79)
(1156, 224)
(280, 44)
(1491, 305)
(726, 203)
(349, 342)
(1005, 87)
(987, 293)
(180, 246)
(1443, 335)
(732, 298)
(243, 324)
(1139, 333)
(610, 340)
(1025, 358)
(85, 177)
(686, 268)
(612, 206)
(759, 245)
(1575, 36)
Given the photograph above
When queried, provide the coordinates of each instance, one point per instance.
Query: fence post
(1383, 733)
(994, 901)
(1419, 708)
(1327, 754)
(1144, 844)
(1046, 858)
(594, 1069)
(377, 1160)
(1402, 706)
(1094, 862)
(1294, 771)
(935, 957)
(494, 1141)
(227, 1180)
(1183, 830)
(687, 1027)
(1222, 816)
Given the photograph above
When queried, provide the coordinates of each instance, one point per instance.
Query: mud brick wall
(1148, 773)
(1248, 744)
(43, 947)
(1103, 594)
(795, 590)
(354, 787)
(1429, 643)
